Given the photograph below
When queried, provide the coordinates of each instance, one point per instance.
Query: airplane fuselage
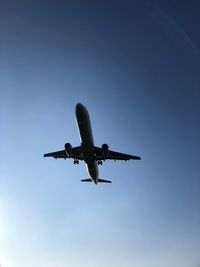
(87, 141)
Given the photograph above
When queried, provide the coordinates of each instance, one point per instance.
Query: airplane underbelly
(84, 126)
(85, 134)
(93, 170)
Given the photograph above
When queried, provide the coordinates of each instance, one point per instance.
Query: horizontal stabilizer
(104, 181)
(86, 180)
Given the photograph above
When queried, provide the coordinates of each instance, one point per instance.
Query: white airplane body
(87, 151)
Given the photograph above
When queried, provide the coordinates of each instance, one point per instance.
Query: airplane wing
(75, 154)
(113, 155)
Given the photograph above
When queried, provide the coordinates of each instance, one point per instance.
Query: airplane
(87, 151)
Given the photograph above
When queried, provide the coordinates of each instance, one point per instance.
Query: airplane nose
(79, 109)
(78, 106)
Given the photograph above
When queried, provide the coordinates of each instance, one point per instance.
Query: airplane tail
(86, 180)
(104, 181)
(99, 181)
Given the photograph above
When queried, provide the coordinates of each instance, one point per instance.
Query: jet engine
(68, 149)
(105, 150)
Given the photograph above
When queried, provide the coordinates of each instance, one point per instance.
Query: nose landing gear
(99, 162)
(76, 161)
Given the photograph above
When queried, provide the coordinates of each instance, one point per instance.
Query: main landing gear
(99, 162)
(76, 161)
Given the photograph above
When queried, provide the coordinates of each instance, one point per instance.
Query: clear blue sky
(135, 65)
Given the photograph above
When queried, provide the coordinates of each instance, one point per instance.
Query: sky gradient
(135, 65)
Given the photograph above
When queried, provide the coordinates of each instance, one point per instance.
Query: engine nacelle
(105, 150)
(68, 149)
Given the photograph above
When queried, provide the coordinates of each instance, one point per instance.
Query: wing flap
(113, 155)
(57, 154)
(76, 154)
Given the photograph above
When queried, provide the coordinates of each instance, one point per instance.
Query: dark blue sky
(135, 65)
